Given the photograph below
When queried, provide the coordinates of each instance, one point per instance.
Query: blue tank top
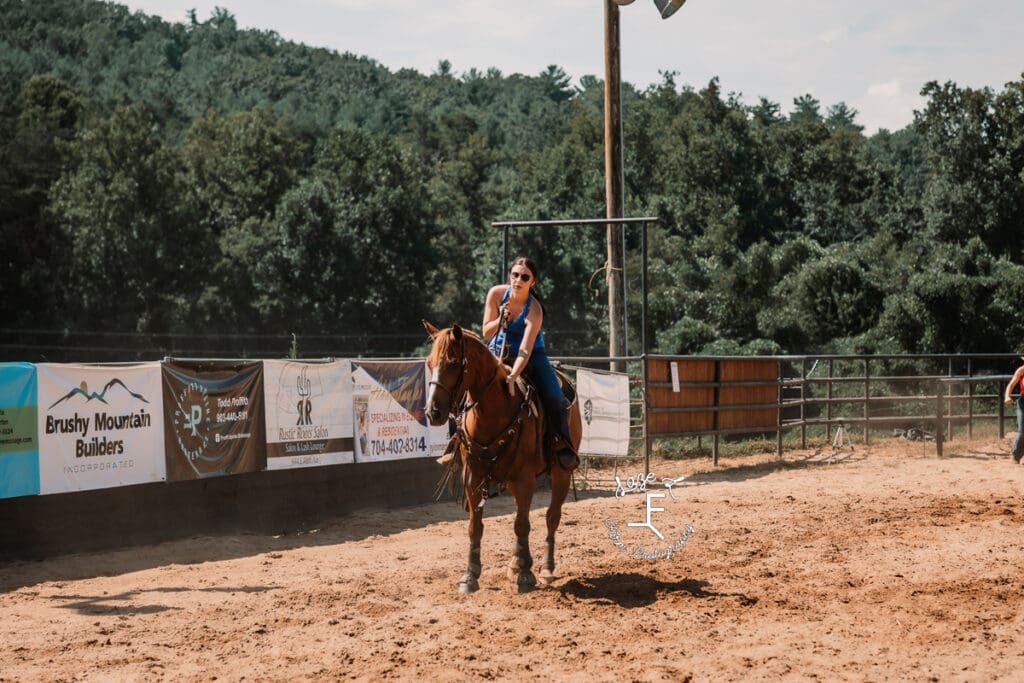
(514, 331)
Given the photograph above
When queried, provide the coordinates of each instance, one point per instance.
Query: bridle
(456, 390)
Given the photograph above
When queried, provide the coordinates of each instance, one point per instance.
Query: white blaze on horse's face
(431, 406)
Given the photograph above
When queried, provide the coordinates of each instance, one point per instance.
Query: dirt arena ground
(889, 564)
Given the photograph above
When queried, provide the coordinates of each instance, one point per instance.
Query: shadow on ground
(631, 590)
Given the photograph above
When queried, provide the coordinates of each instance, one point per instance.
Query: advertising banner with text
(99, 426)
(604, 407)
(214, 419)
(308, 412)
(19, 431)
(389, 401)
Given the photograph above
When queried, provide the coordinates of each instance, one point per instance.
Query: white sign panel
(388, 406)
(99, 426)
(308, 413)
(604, 407)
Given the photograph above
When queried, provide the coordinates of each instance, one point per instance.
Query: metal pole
(1002, 414)
(625, 288)
(778, 410)
(643, 341)
(613, 178)
(867, 398)
(504, 255)
(803, 398)
(828, 403)
(938, 419)
(643, 288)
(644, 406)
(714, 414)
(970, 400)
(949, 400)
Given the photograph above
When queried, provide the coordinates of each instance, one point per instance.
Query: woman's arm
(534, 320)
(493, 312)
(1013, 383)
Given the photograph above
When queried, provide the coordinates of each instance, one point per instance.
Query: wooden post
(613, 181)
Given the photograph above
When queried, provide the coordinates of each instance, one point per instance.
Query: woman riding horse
(500, 442)
(513, 324)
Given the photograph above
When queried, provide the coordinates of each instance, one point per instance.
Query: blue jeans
(544, 378)
(1018, 442)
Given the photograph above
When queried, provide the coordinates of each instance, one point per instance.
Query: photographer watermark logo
(639, 483)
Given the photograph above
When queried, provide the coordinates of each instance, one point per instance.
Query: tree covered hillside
(196, 189)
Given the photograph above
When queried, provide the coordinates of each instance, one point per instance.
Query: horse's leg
(469, 582)
(560, 482)
(520, 569)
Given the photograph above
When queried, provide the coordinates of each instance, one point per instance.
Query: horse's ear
(431, 330)
(457, 332)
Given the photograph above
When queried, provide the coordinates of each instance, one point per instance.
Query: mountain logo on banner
(83, 390)
(192, 420)
(405, 383)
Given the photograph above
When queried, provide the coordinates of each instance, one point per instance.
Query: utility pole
(615, 271)
(613, 182)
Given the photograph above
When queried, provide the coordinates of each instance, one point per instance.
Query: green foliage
(34, 133)
(131, 247)
(198, 178)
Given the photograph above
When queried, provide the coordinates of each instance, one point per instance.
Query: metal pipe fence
(921, 396)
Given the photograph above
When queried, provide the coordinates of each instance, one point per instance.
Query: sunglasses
(524, 277)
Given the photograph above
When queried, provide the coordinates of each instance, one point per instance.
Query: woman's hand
(511, 381)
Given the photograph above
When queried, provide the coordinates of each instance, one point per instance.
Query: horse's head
(451, 372)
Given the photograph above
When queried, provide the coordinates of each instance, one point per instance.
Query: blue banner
(19, 435)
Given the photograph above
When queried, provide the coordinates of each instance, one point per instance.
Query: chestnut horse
(501, 441)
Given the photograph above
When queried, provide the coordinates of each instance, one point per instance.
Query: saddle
(553, 441)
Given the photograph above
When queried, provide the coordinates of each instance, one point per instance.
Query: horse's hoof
(468, 584)
(546, 578)
(526, 582)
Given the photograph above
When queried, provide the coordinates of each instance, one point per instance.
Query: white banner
(388, 407)
(308, 413)
(604, 407)
(99, 426)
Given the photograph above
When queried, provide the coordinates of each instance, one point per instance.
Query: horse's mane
(444, 346)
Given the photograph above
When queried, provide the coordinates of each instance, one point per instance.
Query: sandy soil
(886, 564)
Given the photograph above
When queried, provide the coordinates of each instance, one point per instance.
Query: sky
(874, 55)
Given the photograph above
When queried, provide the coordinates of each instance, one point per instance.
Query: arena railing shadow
(138, 549)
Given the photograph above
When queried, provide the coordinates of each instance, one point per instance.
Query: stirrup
(567, 459)
(449, 451)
